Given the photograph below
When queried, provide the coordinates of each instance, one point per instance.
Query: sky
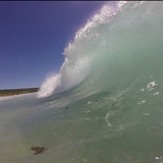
(33, 36)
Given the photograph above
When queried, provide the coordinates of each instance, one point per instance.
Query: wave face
(114, 47)
(78, 55)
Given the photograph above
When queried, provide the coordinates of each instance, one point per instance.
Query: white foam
(88, 102)
(141, 102)
(15, 96)
(76, 66)
(121, 3)
(49, 85)
(156, 93)
(7, 97)
(108, 123)
(151, 84)
(142, 89)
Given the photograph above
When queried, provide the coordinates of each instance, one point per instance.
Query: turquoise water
(113, 114)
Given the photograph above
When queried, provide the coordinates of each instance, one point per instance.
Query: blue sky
(33, 36)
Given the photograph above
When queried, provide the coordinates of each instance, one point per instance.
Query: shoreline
(13, 92)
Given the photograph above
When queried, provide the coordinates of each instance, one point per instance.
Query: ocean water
(106, 103)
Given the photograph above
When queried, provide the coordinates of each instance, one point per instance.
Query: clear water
(114, 115)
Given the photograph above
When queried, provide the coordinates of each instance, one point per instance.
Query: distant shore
(12, 92)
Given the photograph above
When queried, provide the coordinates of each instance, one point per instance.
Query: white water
(79, 54)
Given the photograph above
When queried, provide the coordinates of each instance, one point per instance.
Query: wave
(107, 48)
(78, 54)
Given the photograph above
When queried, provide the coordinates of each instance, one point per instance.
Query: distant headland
(11, 92)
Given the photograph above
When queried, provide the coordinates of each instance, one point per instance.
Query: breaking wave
(128, 28)
(79, 54)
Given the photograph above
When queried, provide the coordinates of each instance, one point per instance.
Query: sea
(105, 105)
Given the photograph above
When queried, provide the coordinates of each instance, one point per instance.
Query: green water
(114, 116)
(99, 128)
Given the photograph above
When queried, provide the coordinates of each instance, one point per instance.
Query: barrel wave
(110, 42)
(80, 53)
(105, 103)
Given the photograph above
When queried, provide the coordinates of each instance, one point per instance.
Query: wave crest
(78, 55)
